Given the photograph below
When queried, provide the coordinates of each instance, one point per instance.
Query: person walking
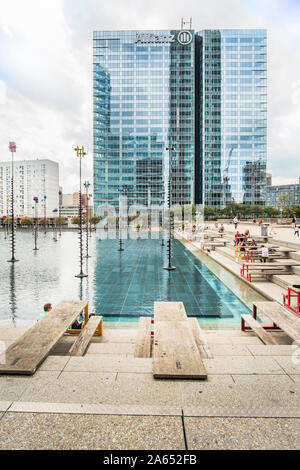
(235, 221)
(296, 232)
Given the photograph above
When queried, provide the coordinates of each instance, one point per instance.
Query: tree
(284, 201)
(94, 220)
(76, 220)
(26, 221)
(59, 220)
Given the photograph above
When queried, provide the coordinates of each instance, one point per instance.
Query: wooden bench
(94, 325)
(175, 352)
(143, 341)
(293, 293)
(26, 354)
(258, 329)
(200, 339)
(280, 316)
(264, 269)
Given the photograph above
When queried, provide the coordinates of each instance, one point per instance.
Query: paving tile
(35, 431)
(111, 348)
(229, 350)
(242, 433)
(242, 365)
(54, 363)
(291, 365)
(11, 334)
(109, 363)
(119, 335)
(270, 350)
(95, 409)
(73, 387)
(12, 387)
(245, 340)
(4, 405)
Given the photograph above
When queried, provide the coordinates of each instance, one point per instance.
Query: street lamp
(169, 267)
(54, 225)
(45, 214)
(36, 200)
(80, 153)
(120, 216)
(13, 149)
(86, 184)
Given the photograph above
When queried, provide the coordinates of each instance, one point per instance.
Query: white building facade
(32, 178)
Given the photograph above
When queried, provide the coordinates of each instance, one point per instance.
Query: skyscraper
(143, 104)
(233, 116)
(202, 94)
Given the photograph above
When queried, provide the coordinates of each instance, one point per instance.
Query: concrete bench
(94, 325)
(257, 328)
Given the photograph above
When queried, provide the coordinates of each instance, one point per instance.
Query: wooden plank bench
(200, 339)
(258, 329)
(26, 354)
(280, 316)
(268, 268)
(175, 353)
(82, 341)
(143, 341)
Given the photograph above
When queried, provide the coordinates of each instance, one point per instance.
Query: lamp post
(13, 149)
(45, 214)
(54, 225)
(169, 267)
(80, 153)
(36, 200)
(86, 184)
(6, 229)
(120, 216)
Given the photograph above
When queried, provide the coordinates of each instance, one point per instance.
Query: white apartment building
(32, 178)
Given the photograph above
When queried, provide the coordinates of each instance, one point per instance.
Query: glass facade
(291, 192)
(143, 104)
(233, 116)
(203, 94)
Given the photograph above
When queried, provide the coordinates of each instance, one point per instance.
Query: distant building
(70, 205)
(269, 179)
(32, 178)
(291, 190)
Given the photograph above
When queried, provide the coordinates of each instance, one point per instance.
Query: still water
(121, 286)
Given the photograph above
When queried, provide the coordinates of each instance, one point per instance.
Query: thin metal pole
(45, 215)
(81, 274)
(87, 223)
(13, 259)
(59, 211)
(35, 228)
(169, 267)
(120, 230)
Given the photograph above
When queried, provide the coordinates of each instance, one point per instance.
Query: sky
(46, 71)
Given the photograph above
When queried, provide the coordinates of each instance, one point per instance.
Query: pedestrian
(294, 221)
(264, 254)
(297, 227)
(235, 221)
(47, 309)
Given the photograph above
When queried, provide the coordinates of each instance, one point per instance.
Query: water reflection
(119, 284)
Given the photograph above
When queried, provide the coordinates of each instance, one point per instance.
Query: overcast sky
(46, 71)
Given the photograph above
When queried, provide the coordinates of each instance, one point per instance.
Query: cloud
(46, 70)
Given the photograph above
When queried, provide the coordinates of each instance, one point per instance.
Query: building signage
(183, 37)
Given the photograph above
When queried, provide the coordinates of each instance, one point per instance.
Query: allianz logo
(183, 37)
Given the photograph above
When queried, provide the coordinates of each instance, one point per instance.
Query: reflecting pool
(120, 285)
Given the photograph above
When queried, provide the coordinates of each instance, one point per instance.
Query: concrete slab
(291, 365)
(242, 365)
(229, 350)
(109, 363)
(245, 340)
(54, 363)
(270, 350)
(77, 387)
(4, 405)
(94, 409)
(118, 335)
(12, 387)
(111, 348)
(11, 334)
(35, 431)
(244, 433)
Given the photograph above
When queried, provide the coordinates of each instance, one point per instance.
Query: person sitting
(237, 238)
(47, 308)
(253, 244)
(264, 254)
(221, 229)
(243, 245)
